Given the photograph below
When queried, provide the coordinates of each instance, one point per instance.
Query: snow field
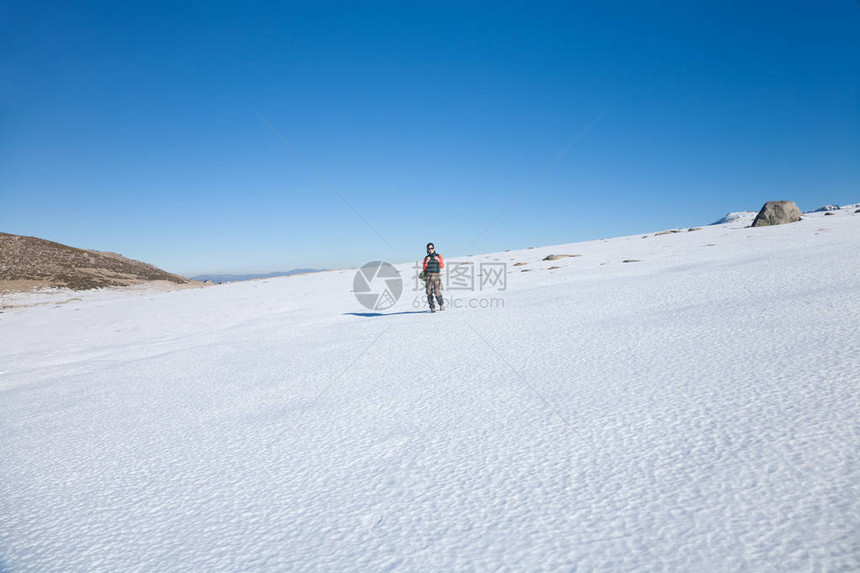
(694, 410)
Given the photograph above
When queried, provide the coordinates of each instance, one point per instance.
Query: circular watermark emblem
(377, 285)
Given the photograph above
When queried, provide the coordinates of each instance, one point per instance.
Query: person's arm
(441, 262)
(426, 260)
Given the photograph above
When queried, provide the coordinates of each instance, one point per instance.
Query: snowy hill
(743, 217)
(691, 409)
(28, 262)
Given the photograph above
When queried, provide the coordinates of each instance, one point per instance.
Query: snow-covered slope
(692, 410)
(744, 218)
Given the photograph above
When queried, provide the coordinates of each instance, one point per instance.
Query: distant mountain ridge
(27, 262)
(228, 278)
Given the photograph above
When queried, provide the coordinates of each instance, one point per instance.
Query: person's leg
(428, 288)
(438, 288)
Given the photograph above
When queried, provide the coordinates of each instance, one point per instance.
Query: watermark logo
(465, 277)
(377, 285)
(461, 278)
(483, 302)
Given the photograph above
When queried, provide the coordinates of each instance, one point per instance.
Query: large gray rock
(777, 213)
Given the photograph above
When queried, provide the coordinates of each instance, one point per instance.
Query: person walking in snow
(433, 263)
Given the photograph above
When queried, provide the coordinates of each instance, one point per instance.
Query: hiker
(433, 263)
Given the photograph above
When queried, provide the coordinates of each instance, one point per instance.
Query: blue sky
(134, 127)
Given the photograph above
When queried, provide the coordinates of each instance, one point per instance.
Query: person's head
(430, 247)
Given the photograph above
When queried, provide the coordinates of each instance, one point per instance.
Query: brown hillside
(28, 261)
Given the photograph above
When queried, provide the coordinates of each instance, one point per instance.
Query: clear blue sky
(133, 127)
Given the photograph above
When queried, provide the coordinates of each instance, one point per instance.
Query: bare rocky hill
(27, 262)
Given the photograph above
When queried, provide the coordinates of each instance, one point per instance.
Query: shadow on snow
(372, 314)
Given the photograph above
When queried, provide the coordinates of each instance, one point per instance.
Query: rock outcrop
(777, 213)
(557, 257)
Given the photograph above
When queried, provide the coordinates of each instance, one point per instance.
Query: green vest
(433, 264)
